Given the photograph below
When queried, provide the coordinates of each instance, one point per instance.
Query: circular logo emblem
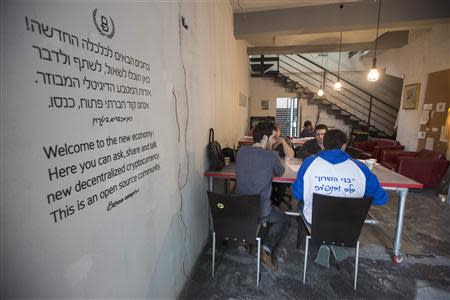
(220, 205)
(104, 24)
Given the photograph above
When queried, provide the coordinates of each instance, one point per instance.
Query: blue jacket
(334, 173)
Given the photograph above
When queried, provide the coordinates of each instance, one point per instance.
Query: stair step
(326, 102)
(293, 86)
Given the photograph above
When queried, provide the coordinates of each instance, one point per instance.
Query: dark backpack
(214, 153)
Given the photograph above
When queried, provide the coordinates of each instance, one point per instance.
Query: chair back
(235, 217)
(337, 220)
(353, 152)
(430, 154)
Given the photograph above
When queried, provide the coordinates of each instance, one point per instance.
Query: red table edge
(292, 180)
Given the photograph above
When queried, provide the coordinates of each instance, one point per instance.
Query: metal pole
(401, 211)
(262, 64)
(213, 254)
(370, 111)
(258, 262)
(210, 183)
(356, 265)
(306, 258)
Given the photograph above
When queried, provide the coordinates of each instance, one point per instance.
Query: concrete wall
(144, 246)
(428, 51)
(267, 89)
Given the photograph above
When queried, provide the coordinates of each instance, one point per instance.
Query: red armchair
(373, 148)
(427, 167)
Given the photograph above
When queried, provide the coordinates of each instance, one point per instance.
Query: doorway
(287, 116)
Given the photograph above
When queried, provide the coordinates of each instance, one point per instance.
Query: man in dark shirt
(255, 167)
(315, 145)
(307, 130)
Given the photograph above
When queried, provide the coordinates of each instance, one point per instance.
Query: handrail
(299, 70)
(359, 96)
(370, 111)
(367, 101)
(346, 81)
(377, 115)
(297, 76)
(349, 105)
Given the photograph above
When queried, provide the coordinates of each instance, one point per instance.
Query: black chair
(353, 152)
(337, 221)
(235, 218)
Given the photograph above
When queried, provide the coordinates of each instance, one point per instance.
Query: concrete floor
(423, 274)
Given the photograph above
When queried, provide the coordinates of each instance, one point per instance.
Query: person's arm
(373, 187)
(288, 151)
(278, 167)
(374, 190)
(297, 187)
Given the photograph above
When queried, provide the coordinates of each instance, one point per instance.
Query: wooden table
(389, 180)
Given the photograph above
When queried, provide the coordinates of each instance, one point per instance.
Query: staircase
(356, 106)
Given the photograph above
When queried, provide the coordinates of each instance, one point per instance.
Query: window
(287, 116)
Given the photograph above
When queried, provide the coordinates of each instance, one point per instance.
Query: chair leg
(213, 254)
(299, 232)
(356, 265)
(258, 262)
(306, 257)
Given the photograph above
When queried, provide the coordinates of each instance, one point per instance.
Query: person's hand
(277, 141)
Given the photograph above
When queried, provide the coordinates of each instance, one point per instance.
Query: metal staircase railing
(373, 112)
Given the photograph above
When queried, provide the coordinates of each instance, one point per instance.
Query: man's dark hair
(334, 139)
(307, 123)
(262, 129)
(321, 126)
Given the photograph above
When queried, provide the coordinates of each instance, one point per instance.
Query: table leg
(403, 192)
(227, 186)
(448, 195)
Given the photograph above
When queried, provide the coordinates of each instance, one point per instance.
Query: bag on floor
(214, 153)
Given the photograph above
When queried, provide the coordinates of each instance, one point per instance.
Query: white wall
(428, 50)
(138, 249)
(265, 89)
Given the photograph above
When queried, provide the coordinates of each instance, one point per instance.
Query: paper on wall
(428, 106)
(421, 134)
(435, 129)
(429, 143)
(425, 117)
(440, 107)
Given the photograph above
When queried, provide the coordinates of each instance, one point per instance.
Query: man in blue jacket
(332, 172)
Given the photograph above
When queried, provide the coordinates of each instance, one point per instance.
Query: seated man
(335, 163)
(281, 145)
(255, 167)
(315, 145)
(285, 149)
(307, 130)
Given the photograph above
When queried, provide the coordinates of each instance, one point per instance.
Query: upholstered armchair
(427, 167)
(373, 148)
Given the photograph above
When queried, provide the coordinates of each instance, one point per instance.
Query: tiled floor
(424, 273)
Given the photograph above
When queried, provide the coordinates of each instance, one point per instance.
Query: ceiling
(283, 11)
(243, 6)
(356, 36)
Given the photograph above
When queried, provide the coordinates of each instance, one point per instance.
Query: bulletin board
(437, 103)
